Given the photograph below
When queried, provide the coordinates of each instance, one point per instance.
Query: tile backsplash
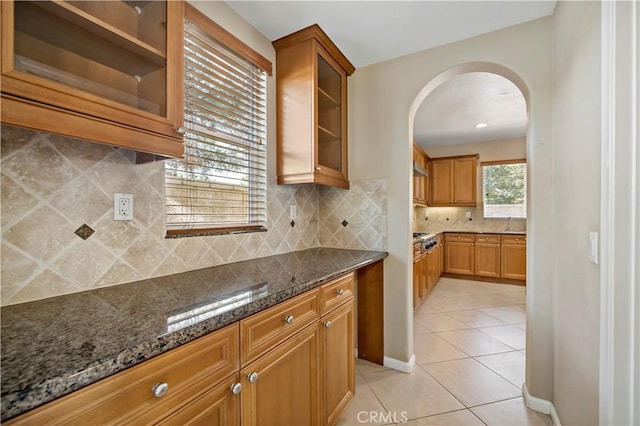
(454, 219)
(52, 185)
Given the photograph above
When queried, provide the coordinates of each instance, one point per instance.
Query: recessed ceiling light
(481, 125)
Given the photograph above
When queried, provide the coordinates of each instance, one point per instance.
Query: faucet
(508, 224)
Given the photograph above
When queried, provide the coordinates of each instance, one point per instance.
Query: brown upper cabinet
(104, 71)
(311, 96)
(420, 183)
(454, 181)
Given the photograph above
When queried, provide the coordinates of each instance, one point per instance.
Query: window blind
(505, 189)
(220, 184)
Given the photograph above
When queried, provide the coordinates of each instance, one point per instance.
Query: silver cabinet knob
(236, 388)
(160, 389)
(288, 319)
(327, 324)
(340, 292)
(181, 131)
(318, 168)
(252, 377)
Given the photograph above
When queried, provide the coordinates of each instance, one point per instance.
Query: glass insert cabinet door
(329, 116)
(115, 60)
(112, 49)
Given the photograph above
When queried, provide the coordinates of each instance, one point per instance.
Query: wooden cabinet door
(216, 407)
(465, 172)
(106, 74)
(339, 361)
(459, 258)
(425, 182)
(420, 183)
(287, 386)
(441, 188)
(514, 261)
(311, 102)
(487, 262)
(417, 277)
(430, 269)
(424, 278)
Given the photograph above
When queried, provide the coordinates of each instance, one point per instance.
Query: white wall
(576, 174)
(381, 98)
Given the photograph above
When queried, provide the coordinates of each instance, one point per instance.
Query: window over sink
(504, 189)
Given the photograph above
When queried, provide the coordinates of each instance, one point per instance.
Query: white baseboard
(540, 405)
(405, 367)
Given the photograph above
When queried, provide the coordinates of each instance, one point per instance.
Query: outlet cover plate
(122, 206)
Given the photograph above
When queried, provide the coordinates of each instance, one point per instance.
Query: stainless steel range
(426, 240)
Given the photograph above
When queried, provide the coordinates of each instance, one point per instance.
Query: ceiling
(368, 32)
(449, 114)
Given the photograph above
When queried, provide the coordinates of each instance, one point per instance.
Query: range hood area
(419, 170)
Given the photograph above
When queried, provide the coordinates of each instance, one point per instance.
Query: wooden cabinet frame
(40, 104)
(454, 181)
(300, 108)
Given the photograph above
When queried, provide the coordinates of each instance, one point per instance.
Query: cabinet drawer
(488, 239)
(514, 239)
(336, 292)
(461, 238)
(128, 397)
(263, 331)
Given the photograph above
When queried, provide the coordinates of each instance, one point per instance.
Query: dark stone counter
(54, 346)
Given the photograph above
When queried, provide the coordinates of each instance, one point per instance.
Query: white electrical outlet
(293, 211)
(122, 206)
(468, 215)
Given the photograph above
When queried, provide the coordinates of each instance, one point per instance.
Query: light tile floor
(469, 343)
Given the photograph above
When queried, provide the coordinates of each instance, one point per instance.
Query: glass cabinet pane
(116, 49)
(329, 116)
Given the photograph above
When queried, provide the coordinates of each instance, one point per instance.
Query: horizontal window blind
(220, 185)
(505, 190)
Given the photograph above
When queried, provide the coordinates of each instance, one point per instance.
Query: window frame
(499, 163)
(239, 48)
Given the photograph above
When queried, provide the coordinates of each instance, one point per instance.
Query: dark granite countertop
(54, 346)
(432, 235)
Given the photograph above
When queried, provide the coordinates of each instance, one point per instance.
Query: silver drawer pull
(288, 319)
(252, 377)
(236, 388)
(340, 292)
(160, 389)
(327, 324)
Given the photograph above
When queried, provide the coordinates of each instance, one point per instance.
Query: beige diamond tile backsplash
(51, 185)
(453, 219)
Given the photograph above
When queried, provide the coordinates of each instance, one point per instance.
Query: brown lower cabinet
(487, 256)
(218, 406)
(339, 361)
(285, 385)
(459, 257)
(503, 257)
(427, 269)
(293, 363)
(417, 275)
(513, 257)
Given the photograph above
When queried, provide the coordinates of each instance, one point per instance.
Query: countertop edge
(17, 403)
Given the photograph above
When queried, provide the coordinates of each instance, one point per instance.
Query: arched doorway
(484, 67)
